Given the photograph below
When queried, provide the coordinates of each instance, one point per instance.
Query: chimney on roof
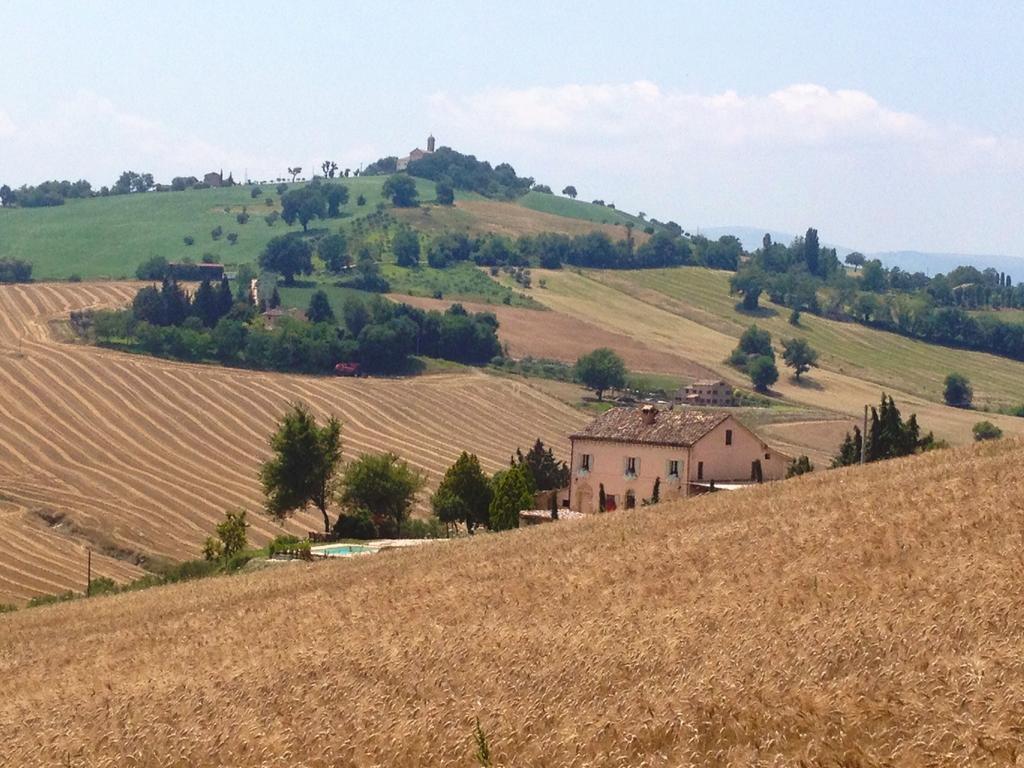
(649, 413)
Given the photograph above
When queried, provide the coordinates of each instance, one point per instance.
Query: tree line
(807, 277)
(15, 271)
(375, 493)
(212, 324)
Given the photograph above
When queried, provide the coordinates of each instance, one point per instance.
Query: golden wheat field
(140, 457)
(861, 617)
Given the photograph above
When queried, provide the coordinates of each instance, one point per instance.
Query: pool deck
(374, 546)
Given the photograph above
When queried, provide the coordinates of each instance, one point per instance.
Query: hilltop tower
(430, 143)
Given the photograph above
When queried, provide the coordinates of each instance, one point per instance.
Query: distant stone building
(214, 178)
(416, 154)
(715, 392)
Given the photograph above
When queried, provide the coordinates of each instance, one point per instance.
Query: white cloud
(7, 126)
(804, 154)
(90, 136)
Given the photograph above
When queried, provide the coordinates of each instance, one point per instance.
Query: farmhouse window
(673, 468)
(700, 470)
(728, 437)
(767, 456)
(630, 500)
(631, 465)
(585, 462)
(609, 503)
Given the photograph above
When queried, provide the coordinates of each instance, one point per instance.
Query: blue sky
(885, 125)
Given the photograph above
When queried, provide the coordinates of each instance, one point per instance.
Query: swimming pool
(343, 550)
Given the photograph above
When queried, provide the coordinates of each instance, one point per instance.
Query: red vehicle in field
(347, 369)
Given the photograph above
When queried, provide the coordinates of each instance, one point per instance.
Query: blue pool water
(343, 550)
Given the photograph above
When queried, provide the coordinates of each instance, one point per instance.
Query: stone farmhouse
(687, 451)
(713, 392)
(416, 154)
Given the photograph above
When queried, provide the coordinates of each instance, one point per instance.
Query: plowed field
(139, 457)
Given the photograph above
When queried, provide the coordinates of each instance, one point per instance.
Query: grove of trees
(212, 325)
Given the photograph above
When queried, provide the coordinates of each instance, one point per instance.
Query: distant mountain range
(911, 261)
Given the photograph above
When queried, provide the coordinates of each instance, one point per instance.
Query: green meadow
(108, 237)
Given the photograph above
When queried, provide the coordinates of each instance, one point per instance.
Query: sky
(887, 126)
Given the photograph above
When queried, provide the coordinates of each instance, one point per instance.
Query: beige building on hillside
(687, 450)
(713, 392)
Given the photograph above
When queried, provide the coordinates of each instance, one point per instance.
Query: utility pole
(88, 583)
(864, 438)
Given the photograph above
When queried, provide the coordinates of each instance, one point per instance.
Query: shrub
(423, 529)
(986, 430)
(188, 240)
(102, 586)
(271, 218)
(61, 597)
(7, 608)
(361, 200)
(282, 188)
(799, 466)
(216, 232)
(152, 269)
(232, 237)
(242, 218)
(268, 201)
(358, 525)
(957, 391)
(75, 278)
(255, 192)
(763, 372)
(283, 543)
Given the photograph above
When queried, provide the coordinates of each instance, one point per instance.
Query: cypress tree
(601, 498)
(224, 298)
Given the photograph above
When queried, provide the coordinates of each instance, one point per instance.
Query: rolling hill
(688, 313)
(865, 617)
(108, 237)
(139, 457)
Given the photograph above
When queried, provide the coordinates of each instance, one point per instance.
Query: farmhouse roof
(708, 382)
(679, 426)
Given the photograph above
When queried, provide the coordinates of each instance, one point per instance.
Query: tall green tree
(287, 255)
(464, 494)
(381, 484)
(401, 190)
(799, 355)
(957, 391)
(406, 246)
(749, 283)
(303, 205)
(812, 253)
(600, 370)
(763, 372)
(205, 305)
(319, 310)
(333, 249)
(547, 472)
(570, 191)
(336, 196)
(511, 496)
(303, 466)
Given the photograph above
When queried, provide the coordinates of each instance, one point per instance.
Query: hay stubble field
(139, 457)
(829, 620)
